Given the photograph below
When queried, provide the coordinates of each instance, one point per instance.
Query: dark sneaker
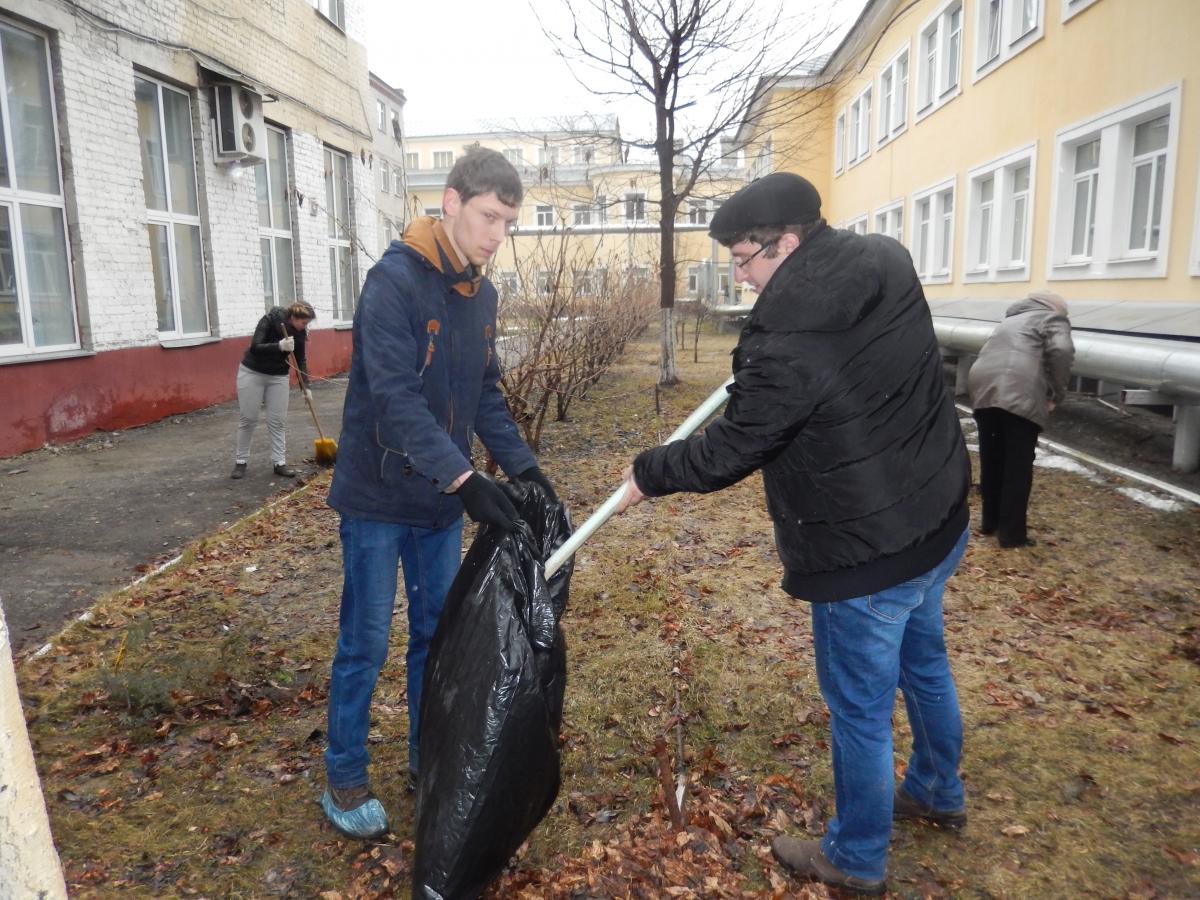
(411, 784)
(283, 470)
(355, 812)
(905, 807)
(805, 859)
(239, 470)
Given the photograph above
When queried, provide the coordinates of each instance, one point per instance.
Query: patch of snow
(1063, 463)
(1166, 504)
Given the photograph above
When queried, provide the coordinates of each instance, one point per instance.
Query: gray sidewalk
(85, 518)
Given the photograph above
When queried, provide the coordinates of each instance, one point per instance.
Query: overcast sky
(463, 60)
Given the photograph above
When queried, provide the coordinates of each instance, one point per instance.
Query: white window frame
(333, 10)
(170, 217)
(443, 159)
(693, 280)
(839, 143)
(1010, 39)
(889, 212)
(1114, 128)
(858, 224)
(543, 215)
(548, 156)
(17, 200)
(858, 136)
(1000, 265)
(412, 161)
(385, 176)
(639, 208)
(601, 209)
(277, 231)
(699, 211)
(341, 239)
(582, 214)
(381, 115)
(943, 91)
(928, 256)
(435, 211)
(515, 155)
(895, 108)
(1072, 8)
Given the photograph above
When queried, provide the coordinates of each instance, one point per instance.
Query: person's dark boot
(905, 807)
(806, 859)
(239, 470)
(283, 470)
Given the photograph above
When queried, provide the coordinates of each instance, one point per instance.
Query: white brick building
(135, 255)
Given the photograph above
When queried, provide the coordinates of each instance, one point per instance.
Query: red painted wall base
(64, 399)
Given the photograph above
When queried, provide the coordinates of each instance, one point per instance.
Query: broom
(325, 449)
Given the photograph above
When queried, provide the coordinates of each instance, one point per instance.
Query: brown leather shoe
(905, 807)
(805, 859)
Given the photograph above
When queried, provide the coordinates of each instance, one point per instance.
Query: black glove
(486, 502)
(538, 477)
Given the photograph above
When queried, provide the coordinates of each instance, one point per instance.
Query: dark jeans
(1006, 447)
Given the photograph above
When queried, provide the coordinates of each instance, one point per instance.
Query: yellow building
(586, 205)
(1014, 145)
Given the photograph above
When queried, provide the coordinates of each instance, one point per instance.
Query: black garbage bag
(492, 704)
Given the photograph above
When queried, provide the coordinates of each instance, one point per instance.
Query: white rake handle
(606, 510)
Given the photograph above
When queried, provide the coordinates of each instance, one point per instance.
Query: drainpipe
(29, 865)
(1171, 369)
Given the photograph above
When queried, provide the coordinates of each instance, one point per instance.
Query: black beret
(781, 198)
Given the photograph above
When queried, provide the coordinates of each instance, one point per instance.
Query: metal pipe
(1172, 367)
(606, 510)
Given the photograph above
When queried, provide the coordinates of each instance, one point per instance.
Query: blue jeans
(371, 553)
(866, 647)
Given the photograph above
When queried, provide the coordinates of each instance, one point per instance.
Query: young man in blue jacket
(424, 381)
(839, 399)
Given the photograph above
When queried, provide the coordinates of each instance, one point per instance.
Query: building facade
(171, 169)
(588, 209)
(391, 179)
(1016, 144)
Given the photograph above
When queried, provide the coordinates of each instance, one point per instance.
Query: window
(890, 220)
(1114, 181)
(275, 222)
(396, 125)
(515, 155)
(933, 232)
(582, 155)
(508, 283)
(1003, 29)
(635, 207)
(37, 308)
(342, 272)
(601, 209)
(545, 216)
(435, 211)
(385, 176)
(443, 159)
(1074, 7)
(893, 97)
(172, 207)
(858, 144)
(583, 214)
(381, 115)
(333, 10)
(412, 161)
(547, 156)
(693, 279)
(940, 43)
(546, 283)
(857, 225)
(999, 218)
(698, 212)
(839, 143)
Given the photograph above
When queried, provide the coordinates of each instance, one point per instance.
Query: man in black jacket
(838, 398)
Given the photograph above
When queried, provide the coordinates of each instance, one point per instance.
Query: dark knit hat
(781, 198)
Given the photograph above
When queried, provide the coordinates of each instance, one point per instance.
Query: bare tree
(709, 68)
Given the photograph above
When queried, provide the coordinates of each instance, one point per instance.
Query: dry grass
(179, 732)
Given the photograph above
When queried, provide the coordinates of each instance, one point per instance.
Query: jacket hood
(427, 237)
(1038, 300)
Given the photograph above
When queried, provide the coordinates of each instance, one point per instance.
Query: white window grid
(385, 176)
(933, 231)
(698, 212)
(1003, 28)
(338, 234)
(435, 211)
(839, 143)
(601, 209)
(583, 213)
(515, 155)
(893, 97)
(1072, 8)
(275, 234)
(940, 52)
(889, 220)
(29, 266)
(381, 115)
(858, 224)
(169, 220)
(544, 216)
(858, 139)
(548, 156)
(1093, 207)
(635, 206)
(999, 217)
(443, 159)
(412, 161)
(333, 10)
(693, 279)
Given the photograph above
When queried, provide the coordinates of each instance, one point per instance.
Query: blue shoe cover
(363, 822)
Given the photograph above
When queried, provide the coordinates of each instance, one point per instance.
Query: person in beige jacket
(1020, 376)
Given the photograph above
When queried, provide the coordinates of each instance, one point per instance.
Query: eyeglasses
(742, 263)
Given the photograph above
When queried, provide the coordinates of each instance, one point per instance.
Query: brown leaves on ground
(179, 731)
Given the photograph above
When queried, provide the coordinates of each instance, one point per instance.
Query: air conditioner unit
(240, 133)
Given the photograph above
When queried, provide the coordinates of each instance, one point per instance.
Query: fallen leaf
(1014, 830)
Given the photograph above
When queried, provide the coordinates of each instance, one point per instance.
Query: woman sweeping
(262, 379)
